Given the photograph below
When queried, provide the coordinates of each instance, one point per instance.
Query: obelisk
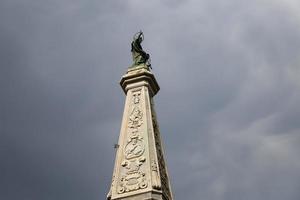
(140, 171)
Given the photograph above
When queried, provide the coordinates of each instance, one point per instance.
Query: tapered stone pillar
(140, 170)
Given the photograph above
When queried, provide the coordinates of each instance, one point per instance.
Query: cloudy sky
(228, 108)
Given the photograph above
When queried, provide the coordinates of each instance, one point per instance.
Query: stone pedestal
(140, 171)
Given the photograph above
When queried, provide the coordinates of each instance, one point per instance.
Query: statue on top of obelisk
(139, 56)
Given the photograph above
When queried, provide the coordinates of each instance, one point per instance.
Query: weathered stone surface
(140, 171)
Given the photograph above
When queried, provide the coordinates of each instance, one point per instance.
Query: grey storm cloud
(228, 107)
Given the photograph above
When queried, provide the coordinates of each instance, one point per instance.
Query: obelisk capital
(139, 76)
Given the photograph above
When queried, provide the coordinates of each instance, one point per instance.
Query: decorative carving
(134, 148)
(134, 165)
(136, 97)
(133, 181)
(134, 177)
(155, 176)
(135, 118)
(136, 115)
(121, 188)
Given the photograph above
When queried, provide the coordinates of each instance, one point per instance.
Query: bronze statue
(139, 56)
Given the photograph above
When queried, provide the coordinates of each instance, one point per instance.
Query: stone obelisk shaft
(140, 171)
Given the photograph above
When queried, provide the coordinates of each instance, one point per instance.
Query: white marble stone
(140, 171)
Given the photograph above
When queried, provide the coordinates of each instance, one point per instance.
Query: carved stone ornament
(134, 178)
(134, 148)
(155, 176)
(132, 182)
(136, 97)
(135, 118)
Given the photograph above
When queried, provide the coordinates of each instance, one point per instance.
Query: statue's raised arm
(139, 56)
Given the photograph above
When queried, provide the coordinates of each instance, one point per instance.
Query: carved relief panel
(133, 176)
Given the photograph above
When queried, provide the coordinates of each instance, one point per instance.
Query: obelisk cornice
(139, 76)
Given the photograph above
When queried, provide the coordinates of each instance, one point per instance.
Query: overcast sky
(228, 107)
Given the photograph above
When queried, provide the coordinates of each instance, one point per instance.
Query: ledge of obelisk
(139, 76)
(151, 195)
